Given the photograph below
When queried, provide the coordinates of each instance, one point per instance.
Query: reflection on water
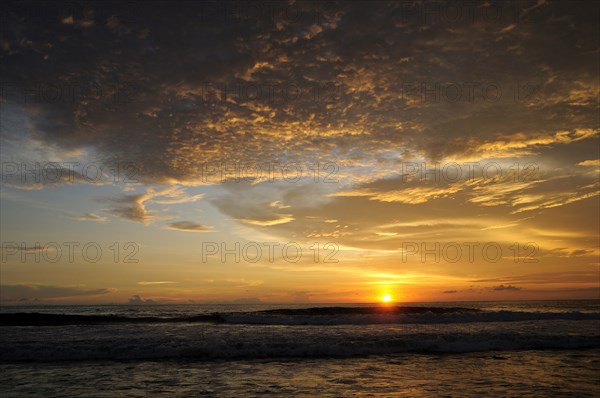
(502, 374)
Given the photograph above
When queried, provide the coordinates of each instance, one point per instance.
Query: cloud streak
(41, 292)
(189, 226)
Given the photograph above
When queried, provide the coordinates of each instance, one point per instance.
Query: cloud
(503, 192)
(560, 199)
(450, 291)
(137, 300)
(231, 283)
(522, 144)
(40, 292)
(282, 219)
(177, 195)
(189, 227)
(581, 252)
(147, 283)
(362, 87)
(134, 207)
(590, 163)
(345, 105)
(546, 278)
(89, 217)
(278, 205)
(507, 287)
(414, 195)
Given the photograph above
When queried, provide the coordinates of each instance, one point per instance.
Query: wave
(308, 316)
(43, 319)
(427, 316)
(309, 342)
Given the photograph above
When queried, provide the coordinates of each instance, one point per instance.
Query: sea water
(534, 348)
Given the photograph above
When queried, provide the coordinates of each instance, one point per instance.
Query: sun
(386, 298)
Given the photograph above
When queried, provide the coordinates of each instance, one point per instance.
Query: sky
(299, 152)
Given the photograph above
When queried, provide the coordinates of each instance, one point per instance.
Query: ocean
(463, 349)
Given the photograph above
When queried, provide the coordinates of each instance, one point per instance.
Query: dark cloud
(506, 287)
(40, 292)
(189, 226)
(581, 252)
(170, 87)
(134, 207)
(547, 278)
(131, 207)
